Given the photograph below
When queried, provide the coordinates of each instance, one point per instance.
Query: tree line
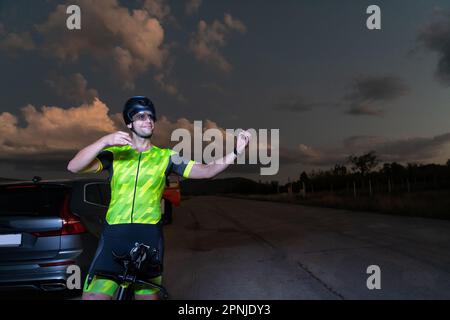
(366, 175)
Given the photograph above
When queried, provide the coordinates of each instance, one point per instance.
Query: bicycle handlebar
(141, 260)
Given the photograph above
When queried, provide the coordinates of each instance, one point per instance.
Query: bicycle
(141, 261)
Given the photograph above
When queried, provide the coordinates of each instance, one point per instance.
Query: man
(137, 173)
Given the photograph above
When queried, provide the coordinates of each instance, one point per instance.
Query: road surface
(225, 248)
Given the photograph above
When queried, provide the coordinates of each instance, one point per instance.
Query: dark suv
(45, 226)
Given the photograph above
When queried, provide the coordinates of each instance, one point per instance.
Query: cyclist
(137, 174)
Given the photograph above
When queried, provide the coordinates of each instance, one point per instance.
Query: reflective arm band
(188, 168)
(100, 166)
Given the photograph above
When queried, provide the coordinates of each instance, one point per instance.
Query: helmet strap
(132, 127)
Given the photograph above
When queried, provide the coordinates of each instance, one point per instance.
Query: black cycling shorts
(121, 238)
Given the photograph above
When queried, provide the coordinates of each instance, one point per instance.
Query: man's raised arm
(206, 171)
(84, 161)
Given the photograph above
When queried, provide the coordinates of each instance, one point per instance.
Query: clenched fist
(242, 141)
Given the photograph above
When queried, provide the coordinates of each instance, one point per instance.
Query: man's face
(143, 124)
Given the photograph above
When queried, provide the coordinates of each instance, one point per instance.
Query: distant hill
(228, 185)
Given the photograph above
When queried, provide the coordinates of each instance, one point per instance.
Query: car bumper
(35, 277)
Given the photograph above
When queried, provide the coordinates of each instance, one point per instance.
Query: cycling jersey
(137, 181)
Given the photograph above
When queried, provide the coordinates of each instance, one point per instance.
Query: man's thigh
(146, 292)
(101, 288)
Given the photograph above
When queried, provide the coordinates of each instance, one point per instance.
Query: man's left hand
(242, 141)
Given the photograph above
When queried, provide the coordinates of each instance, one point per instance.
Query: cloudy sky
(309, 68)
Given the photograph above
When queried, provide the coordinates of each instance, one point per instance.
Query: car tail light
(71, 224)
(31, 186)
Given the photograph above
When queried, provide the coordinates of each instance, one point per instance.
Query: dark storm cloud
(401, 150)
(404, 150)
(435, 36)
(13, 42)
(414, 149)
(300, 154)
(74, 88)
(206, 43)
(295, 104)
(364, 110)
(307, 155)
(362, 143)
(192, 6)
(214, 87)
(369, 93)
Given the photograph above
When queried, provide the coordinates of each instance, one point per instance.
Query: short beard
(139, 135)
(145, 137)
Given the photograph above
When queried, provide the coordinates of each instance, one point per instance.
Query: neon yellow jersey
(137, 181)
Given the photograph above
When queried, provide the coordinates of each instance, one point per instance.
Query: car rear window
(31, 200)
(98, 194)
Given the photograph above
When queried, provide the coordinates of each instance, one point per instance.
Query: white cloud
(207, 41)
(53, 128)
(130, 41)
(8, 123)
(158, 9)
(234, 24)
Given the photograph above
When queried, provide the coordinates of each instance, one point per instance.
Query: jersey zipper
(135, 186)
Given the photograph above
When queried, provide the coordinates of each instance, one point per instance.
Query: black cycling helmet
(137, 104)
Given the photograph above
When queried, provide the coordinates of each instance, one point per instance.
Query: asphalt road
(224, 248)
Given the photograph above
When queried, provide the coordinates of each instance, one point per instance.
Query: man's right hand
(85, 160)
(118, 138)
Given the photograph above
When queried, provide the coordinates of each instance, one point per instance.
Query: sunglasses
(143, 117)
